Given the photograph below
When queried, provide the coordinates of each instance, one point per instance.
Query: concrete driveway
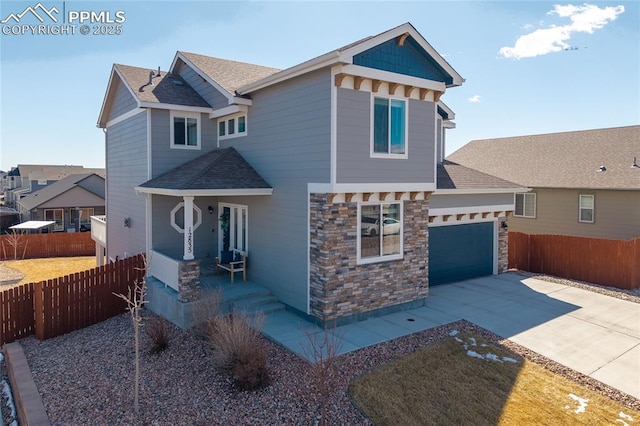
(594, 334)
(591, 333)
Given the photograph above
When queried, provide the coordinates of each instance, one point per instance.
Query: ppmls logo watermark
(57, 20)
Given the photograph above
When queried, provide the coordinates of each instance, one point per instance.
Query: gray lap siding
(126, 160)
(354, 162)
(288, 144)
(123, 101)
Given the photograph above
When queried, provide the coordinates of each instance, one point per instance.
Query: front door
(233, 227)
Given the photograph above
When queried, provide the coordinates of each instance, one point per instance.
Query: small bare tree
(322, 352)
(15, 240)
(135, 300)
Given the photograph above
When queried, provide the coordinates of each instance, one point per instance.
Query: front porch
(164, 300)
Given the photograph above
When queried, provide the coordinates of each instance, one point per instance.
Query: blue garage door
(460, 252)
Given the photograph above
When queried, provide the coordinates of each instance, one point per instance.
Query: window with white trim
(379, 232)
(231, 127)
(587, 207)
(56, 215)
(525, 205)
(85, 214)
(389, 127)
(185, 130)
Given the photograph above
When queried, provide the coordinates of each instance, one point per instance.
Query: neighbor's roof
(45, 171)
(166, 88)
(451, 175)
(231, 75)
(560, 160)
(220, 169)
(55, 189)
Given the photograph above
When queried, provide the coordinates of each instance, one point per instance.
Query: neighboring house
(28, 178)
(77, 196)
(296, 167)
(584, 183)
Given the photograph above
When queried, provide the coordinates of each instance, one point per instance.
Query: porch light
(210, 208)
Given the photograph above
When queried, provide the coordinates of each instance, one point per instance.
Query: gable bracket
(401, 39)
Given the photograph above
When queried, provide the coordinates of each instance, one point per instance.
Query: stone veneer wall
(503, 246)
(339, 286)
(188, 280)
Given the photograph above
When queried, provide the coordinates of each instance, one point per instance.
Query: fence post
(38, 310)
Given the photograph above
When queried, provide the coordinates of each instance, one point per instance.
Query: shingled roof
(58, 188)
(451, 175)
(560, 160)
(220, 169)
(231, 75)
(166, 88)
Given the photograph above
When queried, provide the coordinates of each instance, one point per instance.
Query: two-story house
(329, 174)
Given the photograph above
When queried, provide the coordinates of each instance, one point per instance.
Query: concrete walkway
(594, 334)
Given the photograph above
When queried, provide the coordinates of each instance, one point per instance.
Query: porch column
(188, 228)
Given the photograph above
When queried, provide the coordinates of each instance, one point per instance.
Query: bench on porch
(232, 261)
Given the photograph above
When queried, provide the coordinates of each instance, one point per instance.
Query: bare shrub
(159, 333)
(322, 352)
(237, 347)
(205, 312)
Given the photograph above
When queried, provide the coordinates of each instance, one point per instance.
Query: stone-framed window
(379, 232)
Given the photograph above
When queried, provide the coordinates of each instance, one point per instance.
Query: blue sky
(530, 67)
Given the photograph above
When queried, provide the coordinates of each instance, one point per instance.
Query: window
(85, 215)
(380, 235)
(525, 205)
(185, 130)
(58, 216)
(586, 208)
(232, 127)
(389, 127)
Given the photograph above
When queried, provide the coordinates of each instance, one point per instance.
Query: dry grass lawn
(465, 380)
(35, 270)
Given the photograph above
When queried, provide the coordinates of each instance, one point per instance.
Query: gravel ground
(86, 377)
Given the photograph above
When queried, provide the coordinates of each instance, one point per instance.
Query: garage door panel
(460, 252)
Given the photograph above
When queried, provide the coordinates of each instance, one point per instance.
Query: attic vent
(177, 82)
(635, 164)
(602, 169)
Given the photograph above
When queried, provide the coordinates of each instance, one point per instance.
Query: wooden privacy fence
(613, 263)
(31, 246)
(61, 305)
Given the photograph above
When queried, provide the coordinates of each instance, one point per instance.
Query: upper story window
(389, 121)
(587, 205)
(231, 127)
(525, 205)
(185, 130)
(379, 232)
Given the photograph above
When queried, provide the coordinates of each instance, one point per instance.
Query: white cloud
(475, 99)
(584, 19)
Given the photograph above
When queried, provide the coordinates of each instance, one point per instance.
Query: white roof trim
(329, 188)
(114, 70)
(449, 111)
(204, 192)
(303, 68)
(231, 109)
(175, 107)
(124, 116)
(407, 80)
(470, 209)
(480, 191)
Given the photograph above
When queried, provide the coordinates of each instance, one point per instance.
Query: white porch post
(188, 228)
